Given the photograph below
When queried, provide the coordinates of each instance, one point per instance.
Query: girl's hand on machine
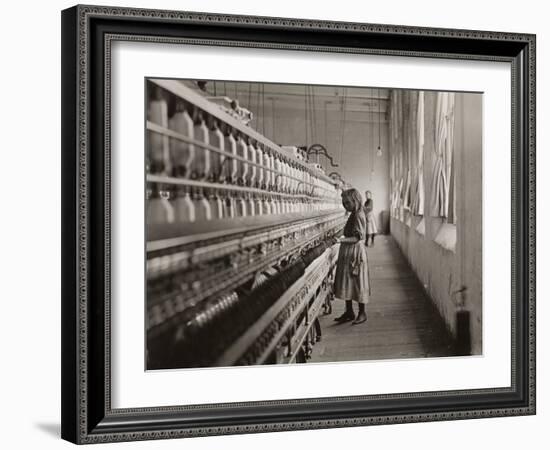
(349, 240)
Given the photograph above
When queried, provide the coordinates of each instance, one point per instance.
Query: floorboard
(402, 321)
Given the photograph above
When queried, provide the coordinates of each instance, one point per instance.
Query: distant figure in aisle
(351, 282)
(371, 221)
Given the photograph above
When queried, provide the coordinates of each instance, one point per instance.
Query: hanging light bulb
(379, 151)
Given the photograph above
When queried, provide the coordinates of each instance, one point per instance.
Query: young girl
(351, 282)
(371, 221)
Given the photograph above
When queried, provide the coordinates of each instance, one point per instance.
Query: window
(442, 200)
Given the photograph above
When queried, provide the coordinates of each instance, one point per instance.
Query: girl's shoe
(361, 317)
(346, 317)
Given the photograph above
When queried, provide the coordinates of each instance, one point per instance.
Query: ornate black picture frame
(87, 35)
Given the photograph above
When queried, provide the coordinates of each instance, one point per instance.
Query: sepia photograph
(294, 223)
(282, 223)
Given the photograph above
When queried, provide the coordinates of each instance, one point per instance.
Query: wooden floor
(402, 321)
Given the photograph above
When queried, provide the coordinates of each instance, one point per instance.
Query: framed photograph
(280, 224)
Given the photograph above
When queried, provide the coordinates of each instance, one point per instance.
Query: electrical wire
(326, 125)
(313, 118)
(326, 128)
(314, 138)
(263, 108)
(343, 125)
(273, 119)
(379, 118)
(310, 124)
(306, 112)
(372, 139)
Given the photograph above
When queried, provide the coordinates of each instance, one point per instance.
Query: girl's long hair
(355, 197)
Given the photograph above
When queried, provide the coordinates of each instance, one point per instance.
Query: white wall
(355, 154)
(358, 163)
(30, 288)
(442, 272)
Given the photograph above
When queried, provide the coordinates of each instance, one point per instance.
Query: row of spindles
(167, 204)
(207, 328)
(215, 153)
(253, 166)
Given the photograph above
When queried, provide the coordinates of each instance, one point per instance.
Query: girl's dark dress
(352, 273)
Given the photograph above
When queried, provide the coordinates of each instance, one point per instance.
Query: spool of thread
(182, 153)
(159, 207)
(230, 171)
(201, 162)
(159, 144)
(217, 140)
(242, 166)
(184, 208)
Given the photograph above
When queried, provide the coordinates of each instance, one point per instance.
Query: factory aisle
(402, 321)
